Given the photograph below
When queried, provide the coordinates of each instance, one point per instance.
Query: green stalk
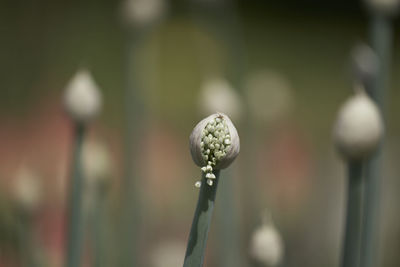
(227, 224)
(381, 35)
(98, 231)
(74, 238)
(26, 239)
(351, 248)
(201, 223)
(131, 206)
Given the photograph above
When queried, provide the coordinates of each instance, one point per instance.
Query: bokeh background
(279, 69)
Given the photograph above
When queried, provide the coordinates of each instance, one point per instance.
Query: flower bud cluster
(215, 144)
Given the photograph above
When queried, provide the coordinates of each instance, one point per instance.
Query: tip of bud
(82, 98)
(359, 127)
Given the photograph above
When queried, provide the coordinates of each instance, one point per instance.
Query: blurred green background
(287, 164)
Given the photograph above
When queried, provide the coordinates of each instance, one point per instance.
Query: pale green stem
(75, 231)
(26, 239)
(99, 223)
(227, 224)
(351, 248)
(131, 205)
(201, 223)
(381, 38)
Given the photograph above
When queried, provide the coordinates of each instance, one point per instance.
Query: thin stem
(381, 42)
(98, 222)
(129, 231)
(201, 224)
(381, 34)
(26, 239)
(351, 249)
(74, 238)
(228, 224)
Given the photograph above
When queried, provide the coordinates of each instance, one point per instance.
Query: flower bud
(96, 164)
(388, 7)
(141, 13)
(82, 98)
(218, 94)
(214, 143)
(359, 127)
(364, 64)
(266, 245)
(270, 96)
(27, 189)
(168, 253)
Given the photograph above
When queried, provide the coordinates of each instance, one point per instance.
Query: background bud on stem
(266, 244)
(82, 98)
(359, 127)
(82, 101)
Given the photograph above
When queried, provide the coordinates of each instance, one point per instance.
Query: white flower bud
(82, 98)
(168, 253)
(142, 13)
(96, 164)
(218, 95)
(266, 245)
(388, 7)
(214, 159)
(359, 127)
(27, 189)
(269, 95)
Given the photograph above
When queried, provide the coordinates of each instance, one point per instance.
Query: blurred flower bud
(266, 245)
(97, 170)
(388, 7)
(141, 13)
(168, 254)
(269, 96)
(27, 189)
(211, 2)
(82, 98)
(218, 95)
(214, 144)
(96, 164)
(359, 127)
(364, 64)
